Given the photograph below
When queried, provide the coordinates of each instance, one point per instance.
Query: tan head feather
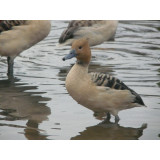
(82, 49)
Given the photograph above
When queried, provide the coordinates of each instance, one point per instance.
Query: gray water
(36, 105)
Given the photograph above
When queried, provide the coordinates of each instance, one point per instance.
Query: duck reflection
(17, 104)
(158, 83)
(110, 131)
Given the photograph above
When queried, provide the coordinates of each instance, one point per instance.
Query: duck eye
(80, 47)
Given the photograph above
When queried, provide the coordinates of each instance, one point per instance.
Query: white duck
(19, 35)
(97, 31)
(97, 91)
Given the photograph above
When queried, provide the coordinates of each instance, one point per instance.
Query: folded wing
(101, 79)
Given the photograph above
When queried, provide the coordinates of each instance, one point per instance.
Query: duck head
(80, 50)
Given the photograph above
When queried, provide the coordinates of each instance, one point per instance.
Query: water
(36, 105)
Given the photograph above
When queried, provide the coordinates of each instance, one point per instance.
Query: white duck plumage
(97, 31)
(19, 35)
(97, 91)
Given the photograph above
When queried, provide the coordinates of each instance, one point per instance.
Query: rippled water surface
(36, 105)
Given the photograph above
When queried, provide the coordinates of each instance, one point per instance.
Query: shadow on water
(17, 102)
(110, 131)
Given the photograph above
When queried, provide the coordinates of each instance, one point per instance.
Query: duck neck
(83, 64)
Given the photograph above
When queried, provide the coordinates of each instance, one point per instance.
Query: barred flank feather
(83, 23)
(6, 25)
(101, 79)
(75, 25)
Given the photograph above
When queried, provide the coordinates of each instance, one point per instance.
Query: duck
(97, 31)
(99, 92)
(19, 35)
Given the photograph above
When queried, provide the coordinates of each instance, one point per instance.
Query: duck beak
(71, 54)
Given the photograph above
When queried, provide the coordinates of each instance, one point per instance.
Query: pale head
(80, 50)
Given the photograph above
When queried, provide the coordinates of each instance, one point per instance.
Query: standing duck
(19, 35)
(97, 91)
(97, 31)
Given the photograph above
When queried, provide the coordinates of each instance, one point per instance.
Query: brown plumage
(19, 35)
(6, 25)
(101, 79)
(97, 91)
(97, 31)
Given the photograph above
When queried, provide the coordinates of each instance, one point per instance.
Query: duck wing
(106, 80)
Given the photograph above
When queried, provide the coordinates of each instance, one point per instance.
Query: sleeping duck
(97, 31)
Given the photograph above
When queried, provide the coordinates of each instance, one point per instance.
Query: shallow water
(36, 105)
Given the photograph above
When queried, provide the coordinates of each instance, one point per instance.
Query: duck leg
(108, 116)
(10, 61)
(107, 119)
(117, 119)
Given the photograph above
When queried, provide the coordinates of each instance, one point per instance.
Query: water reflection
(17, 102)
(110, 131)
(133, 57)
(159, 75)
(32, 132)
